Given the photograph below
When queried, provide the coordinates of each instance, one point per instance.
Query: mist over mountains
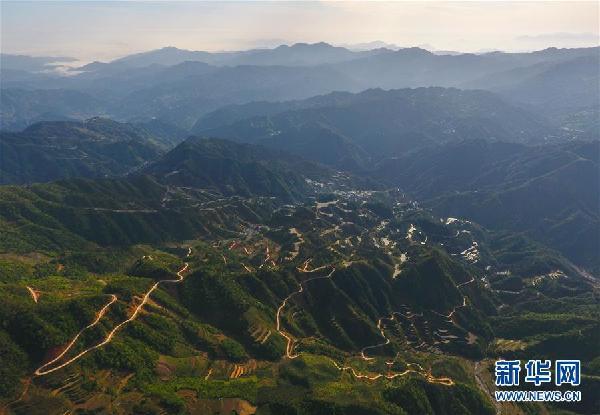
(181, 86)
(377, 123)
(307, 229)
(281, 99)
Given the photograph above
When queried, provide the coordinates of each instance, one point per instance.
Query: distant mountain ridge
(565, 92)
(22, 107)
(31, 63)
(347, 130)
(180, 87)
(298, 54)
(98, 147)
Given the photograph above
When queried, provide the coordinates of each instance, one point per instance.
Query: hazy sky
(105, 30)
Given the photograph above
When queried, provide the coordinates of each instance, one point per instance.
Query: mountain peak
(318, 45)
(415, 50)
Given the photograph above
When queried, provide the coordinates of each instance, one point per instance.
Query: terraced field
(363, 292)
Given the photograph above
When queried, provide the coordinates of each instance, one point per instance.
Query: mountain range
(550, 192)
(303, 230)
(179, 86)
(56, 150)
(464, 153)
(355, 129)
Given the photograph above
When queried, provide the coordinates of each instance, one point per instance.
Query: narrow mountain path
(44, 369)
(289, 350)
(41, 370)
(382, 332)
(35, 295)
(422, 372)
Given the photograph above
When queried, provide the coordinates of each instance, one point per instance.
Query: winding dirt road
(289, 350)
(43, 370)
(427, 375)
(382, 332)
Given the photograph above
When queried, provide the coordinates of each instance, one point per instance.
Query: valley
(202, 214)
(257, 298)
